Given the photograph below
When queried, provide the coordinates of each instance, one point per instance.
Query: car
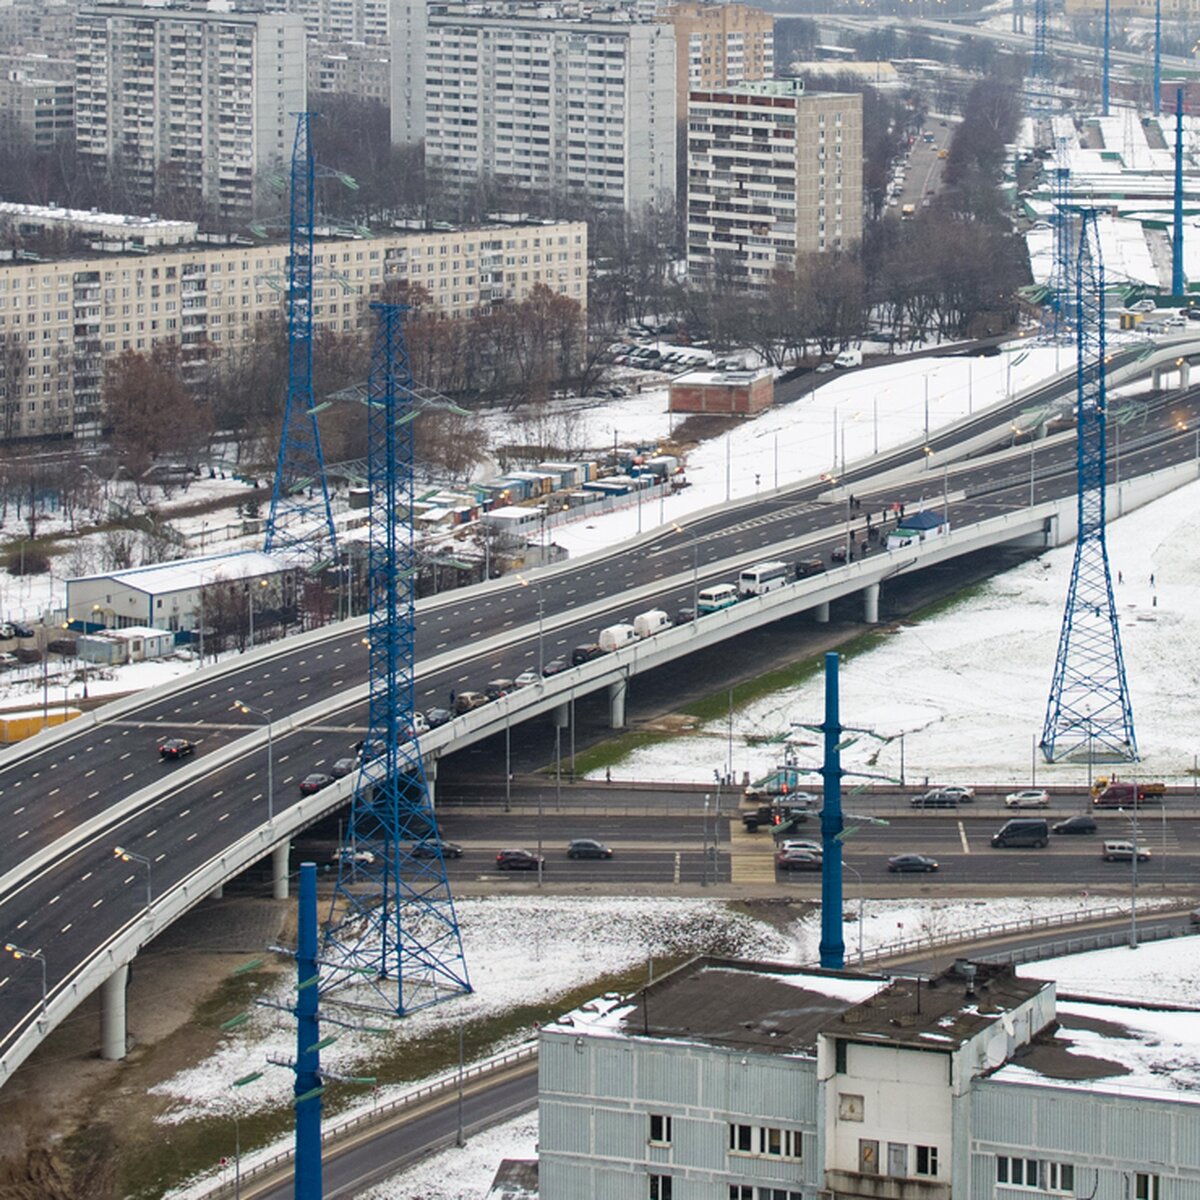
(19, 630)
(1124, 852)
(1077, 824)
(1029, 798)
(8, 661)
(517, 860)
(838, 554)
(314, 782)
(824, 368)
(554, 667)
(351, 855)
(912, 862)
(794, 844)
(465, 702)
(1176, 322)
(685, 616)
(437, 716)
(798, 860)
(1194, 917)
(585, 654)
(525, 679)
(934, 799)
(965, 795)
(1193, 314)
(588, 848)
(1143, 306)
(343, 767)
(176, 747)
(429, 849)
(419, 724)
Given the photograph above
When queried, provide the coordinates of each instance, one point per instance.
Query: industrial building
(774, 172)
(199, 99)
(764, 1081)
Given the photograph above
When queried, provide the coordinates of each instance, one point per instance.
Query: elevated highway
(72, 795)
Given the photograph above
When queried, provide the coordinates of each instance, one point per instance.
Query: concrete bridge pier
(279, 870)
(821, 613)
(218, 892)
(616, 703)
(871, 604)
(431, 779)
(113, 1038)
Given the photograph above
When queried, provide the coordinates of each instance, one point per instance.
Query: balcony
(884, 1187)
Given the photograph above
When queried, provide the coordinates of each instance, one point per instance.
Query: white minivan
(713, 599)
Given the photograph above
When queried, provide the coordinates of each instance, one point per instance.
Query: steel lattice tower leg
(1089, 707)
(1059, 311)
(1039, 68)
(393, 916)
(300, 524)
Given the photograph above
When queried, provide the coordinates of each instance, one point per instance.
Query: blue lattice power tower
(393, 921)
(1058, 313)
(1089, 711)
(300, 524)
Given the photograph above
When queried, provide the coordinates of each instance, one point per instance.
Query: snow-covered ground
(968, 690)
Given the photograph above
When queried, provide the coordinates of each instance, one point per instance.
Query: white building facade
(752, 1081)
(773, 173)
(582, 106)
(200, 99)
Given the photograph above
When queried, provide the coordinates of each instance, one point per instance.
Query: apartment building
(36, 108)
(189, 98)
(773, 172)
(359, 69)
(343, 20)
(551, 99)
(47, 26)
(762, 1081)
(719, 46)
(62, 321)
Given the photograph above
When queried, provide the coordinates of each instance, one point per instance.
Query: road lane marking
(962, 837)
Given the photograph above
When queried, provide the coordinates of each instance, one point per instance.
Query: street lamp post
(127, 855)
(265, 714)
(695, 570)
(17, 952)
(537, 587)
(704, 844)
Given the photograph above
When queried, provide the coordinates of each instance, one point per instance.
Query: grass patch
(157, 1158)
(614, 750)
(948, 604)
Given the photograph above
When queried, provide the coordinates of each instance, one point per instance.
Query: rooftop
(191, 573)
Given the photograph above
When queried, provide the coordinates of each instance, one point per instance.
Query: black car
(685, 616)
(437, 716)
(429, 849)
(176, 747)
(19, 630)
(517, 860)
(1079, 824)
(314, 783)
(912, 862)
(588, 848)
(934, 799)
(584, 654)
(555, 666)
(343, 767)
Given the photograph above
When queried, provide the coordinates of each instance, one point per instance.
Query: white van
(848, 358)
(616, 636)
(647, 624)
(713, 599)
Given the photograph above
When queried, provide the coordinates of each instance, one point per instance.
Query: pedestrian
(1120, 577)
(1151, 578)
(868, 520)
(451, 697)
(608, 774)
(902, 512)
(851, 499)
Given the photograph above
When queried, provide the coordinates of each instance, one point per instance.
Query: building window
(927, 1160)
(740, 1191)
(660, 1187)
(1146, 1187)
(1060, 1177)
(767, 1140)
(660, 1129)
(740, 1137)
(1017, 1172)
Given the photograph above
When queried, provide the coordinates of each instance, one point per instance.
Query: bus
(762, 578)
(713, 599)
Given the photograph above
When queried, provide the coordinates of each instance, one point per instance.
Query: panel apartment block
(202, 99)
(773, 173)
(61, 322)
(584, 107)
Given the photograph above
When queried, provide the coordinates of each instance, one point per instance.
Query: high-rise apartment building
(562, 100)
(773, 172)
(189, 99)
(718, 46)
(35, 107)
(63, 320)
(343, 20)
(348, 69)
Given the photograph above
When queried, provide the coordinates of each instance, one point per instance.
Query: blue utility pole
(1177, 286)
(1157, 58)
(1107, 51)
(308, 1087)
(833, 946)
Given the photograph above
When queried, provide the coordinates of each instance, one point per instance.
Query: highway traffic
(83, 897)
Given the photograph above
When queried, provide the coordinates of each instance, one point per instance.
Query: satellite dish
(997, 1050)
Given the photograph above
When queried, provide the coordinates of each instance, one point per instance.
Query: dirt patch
(675, 724)
(70, 1120)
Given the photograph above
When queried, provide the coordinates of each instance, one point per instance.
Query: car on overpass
(175, 748)
(314, 782)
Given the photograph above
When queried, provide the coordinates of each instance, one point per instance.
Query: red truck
(1116, 793)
